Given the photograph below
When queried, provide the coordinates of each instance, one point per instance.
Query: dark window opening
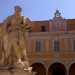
(43, 28)
(58, 71)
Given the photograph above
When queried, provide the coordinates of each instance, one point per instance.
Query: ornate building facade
(51, 46)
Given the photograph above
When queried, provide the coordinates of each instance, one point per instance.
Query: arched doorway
(57, 69)
(72, 69)
(39, 68)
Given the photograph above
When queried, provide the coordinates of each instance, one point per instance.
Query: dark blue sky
(38, 9)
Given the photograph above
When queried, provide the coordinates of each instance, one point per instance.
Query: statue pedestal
(16, 72)
(18, 68)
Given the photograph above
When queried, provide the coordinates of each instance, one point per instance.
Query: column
(46, 72)
(47, 45)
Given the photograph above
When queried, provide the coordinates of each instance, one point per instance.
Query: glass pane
(74, 45)
(57, 46)
(43, 28)
(38, 46)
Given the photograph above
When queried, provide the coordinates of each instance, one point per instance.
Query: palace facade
(51, 46)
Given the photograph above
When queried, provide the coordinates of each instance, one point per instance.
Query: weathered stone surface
(16, 72)
(14, 57)
(15, 29)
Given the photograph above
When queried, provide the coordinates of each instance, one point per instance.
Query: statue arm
(27, 24)
(5, 24)
(13, 27)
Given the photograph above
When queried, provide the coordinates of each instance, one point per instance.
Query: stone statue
(15, 29)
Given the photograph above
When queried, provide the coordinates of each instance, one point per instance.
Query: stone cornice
(51, 35)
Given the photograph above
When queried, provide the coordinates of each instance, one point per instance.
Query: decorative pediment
(57, 23)
(57, 14)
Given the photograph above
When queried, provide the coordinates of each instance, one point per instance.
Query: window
(38, 46)
(57, 46)
(43, 28)
(57, 15)
(74, 45)
(57, 26)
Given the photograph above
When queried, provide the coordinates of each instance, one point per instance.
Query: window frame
(43, 28)
(57, 48)
(35, 46)
(73, 45)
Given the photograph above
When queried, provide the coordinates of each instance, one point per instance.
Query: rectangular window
(74, 45)
(43, 28)
(38, 46)
(57, 46)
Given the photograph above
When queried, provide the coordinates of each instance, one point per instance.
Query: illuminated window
(57, 46)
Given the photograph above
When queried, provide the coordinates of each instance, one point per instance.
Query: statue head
(18, 10)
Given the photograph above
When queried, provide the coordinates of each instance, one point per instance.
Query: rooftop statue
(15, 29)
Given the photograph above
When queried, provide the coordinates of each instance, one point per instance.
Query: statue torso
(15, 20)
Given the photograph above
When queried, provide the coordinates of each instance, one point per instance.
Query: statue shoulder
(26, 20)
(7, 19)
(25, 17)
